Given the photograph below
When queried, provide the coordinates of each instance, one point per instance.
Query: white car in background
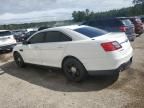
(7, 40)
(78, 50)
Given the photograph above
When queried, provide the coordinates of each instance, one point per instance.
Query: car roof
(72, 27)
(67, 30)
(3, 30)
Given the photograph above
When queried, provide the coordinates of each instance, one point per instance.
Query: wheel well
(15, 52)
(67, 57)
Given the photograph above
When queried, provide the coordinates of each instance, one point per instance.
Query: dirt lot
(39, 87)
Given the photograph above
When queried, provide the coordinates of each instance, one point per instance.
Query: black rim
(72, 70)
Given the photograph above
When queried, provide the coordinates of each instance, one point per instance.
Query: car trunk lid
(121, 38)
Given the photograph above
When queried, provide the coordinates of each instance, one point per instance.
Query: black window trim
(28, 40)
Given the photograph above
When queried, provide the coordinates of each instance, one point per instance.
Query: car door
(31, 50)
(53, 50)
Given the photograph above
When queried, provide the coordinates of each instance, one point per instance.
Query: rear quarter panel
(85, 51)
(93, 56)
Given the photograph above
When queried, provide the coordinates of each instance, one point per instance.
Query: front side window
(55, 36)
(37, 38)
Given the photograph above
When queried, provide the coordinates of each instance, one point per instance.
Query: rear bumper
(6, 47)
(121, 68)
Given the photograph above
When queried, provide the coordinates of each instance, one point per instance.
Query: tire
(132, 40)
(19, 60)
(74, 70)
(115, 76)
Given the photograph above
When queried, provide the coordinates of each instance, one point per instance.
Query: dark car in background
(138, 25)
(18, 34)
(142, 19)
(114, 25)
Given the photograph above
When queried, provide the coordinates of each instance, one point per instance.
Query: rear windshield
(5, 33)
(142, 19)
(91, 31)
(127, 22)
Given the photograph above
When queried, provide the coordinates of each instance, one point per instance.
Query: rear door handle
(60, 47)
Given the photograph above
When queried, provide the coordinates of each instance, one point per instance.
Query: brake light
(123, 28)
(111, 46)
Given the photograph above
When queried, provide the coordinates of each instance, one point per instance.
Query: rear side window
(5, 33)
(55, 36)
(90, 31)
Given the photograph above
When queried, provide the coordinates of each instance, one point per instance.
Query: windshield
(127, 22)
(90, 31)
(5, 33)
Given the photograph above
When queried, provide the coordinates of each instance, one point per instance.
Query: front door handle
(21, 50)
(36, 47)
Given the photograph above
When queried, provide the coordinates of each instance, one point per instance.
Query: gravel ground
(40, 87)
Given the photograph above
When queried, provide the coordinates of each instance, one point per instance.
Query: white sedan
(77, 50)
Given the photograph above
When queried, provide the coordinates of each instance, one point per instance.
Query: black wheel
(74, 70)
(19, 60)
(132, 40)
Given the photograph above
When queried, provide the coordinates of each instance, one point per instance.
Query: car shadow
(54, 79)
(5, 52)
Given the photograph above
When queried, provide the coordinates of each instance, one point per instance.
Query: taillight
(123, 28)
(111, 46)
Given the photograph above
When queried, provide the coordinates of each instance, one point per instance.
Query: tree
(87, 12)
(78, 16)
(138, 2)
(136, 10)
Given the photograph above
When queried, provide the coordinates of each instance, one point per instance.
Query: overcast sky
(19, 11)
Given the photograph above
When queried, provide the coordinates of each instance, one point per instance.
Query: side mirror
(25, 42)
